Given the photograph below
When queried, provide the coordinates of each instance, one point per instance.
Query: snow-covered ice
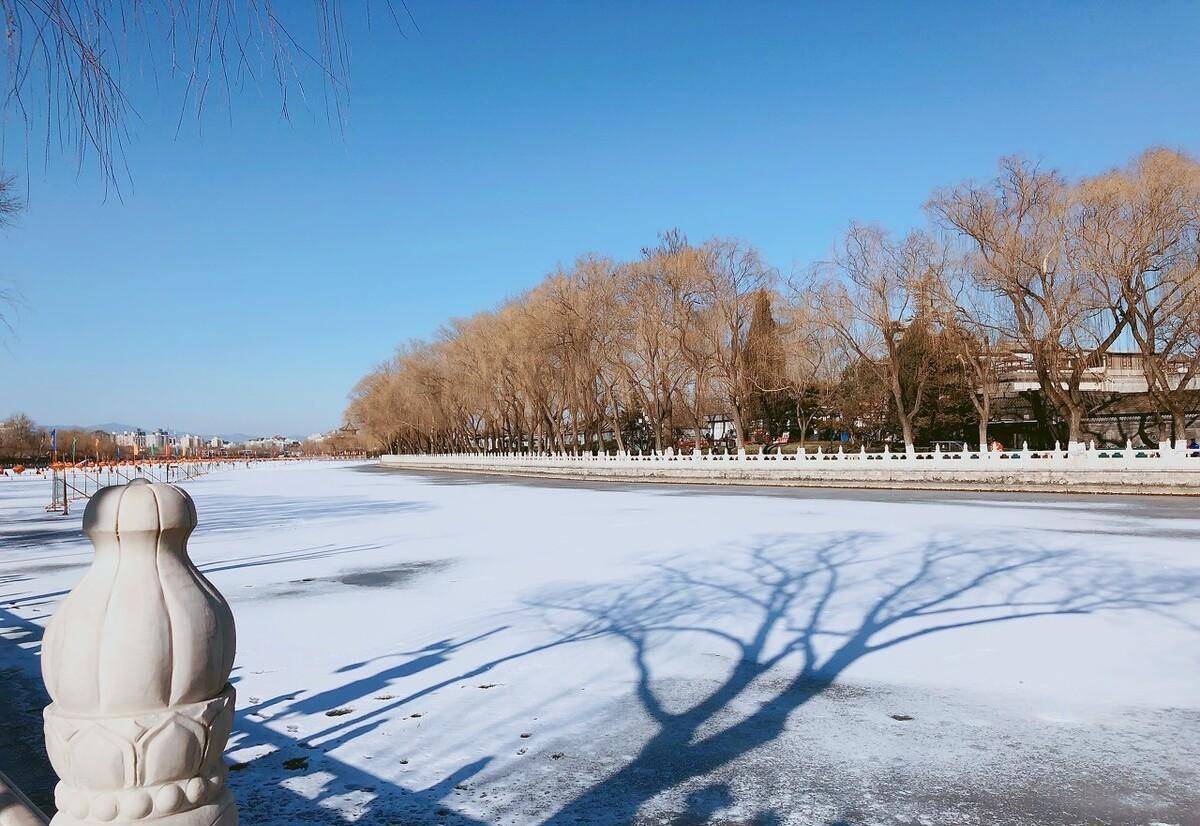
(439, 649)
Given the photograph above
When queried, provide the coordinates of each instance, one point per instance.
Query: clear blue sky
(269, 264)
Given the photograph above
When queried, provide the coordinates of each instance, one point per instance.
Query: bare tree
(1021, 224)
(811, 363)
(1051, 274)
(881, 287)
(734, 274)
(1135, 230)
(678, 269)
(652, 361)
(972, 329)
(10, 205)
(66, 62)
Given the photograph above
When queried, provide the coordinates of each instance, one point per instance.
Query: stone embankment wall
(1081, 470)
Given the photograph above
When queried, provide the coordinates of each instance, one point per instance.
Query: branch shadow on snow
(792, 612)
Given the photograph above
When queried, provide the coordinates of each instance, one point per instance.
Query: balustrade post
(136, 661)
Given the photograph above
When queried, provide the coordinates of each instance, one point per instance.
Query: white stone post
(137, 662)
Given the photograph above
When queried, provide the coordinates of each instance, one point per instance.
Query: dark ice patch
(391, 576)
(386, 576)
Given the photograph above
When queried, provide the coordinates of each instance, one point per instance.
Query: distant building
(158, 441)
(190, 445)
(133, 439)
(1119, 406)
(270, 443)
(1113, 372)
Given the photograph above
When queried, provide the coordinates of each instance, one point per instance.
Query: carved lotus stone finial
(137, 662)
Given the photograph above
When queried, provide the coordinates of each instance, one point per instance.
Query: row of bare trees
(1029, 268)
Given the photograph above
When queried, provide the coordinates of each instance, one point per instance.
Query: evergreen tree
(764, 368)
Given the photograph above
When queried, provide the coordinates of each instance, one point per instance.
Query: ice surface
(429, 648)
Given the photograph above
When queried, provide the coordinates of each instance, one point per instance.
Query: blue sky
(256, 268)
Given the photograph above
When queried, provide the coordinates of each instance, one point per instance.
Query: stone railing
(136, 662)
(1161, 468)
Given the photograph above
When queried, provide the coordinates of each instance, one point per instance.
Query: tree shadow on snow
(795, 612)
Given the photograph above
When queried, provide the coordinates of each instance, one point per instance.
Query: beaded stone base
(218, 812)
(161, 767)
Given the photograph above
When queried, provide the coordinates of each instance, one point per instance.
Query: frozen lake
(436, 649)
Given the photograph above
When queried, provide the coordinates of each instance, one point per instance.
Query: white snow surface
(422, 648)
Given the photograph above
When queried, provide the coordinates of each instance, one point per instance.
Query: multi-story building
(1119, 404)
(133, 439)
(190, 445)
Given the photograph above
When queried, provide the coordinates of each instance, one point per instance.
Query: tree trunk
(901, 414)
(985, 413)
(1074, 424)
(616, 421)
(907, 432)
(738, 433)
(1178, 419)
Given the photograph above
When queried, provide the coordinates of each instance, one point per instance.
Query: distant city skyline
(254, 270)
(122, 427)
